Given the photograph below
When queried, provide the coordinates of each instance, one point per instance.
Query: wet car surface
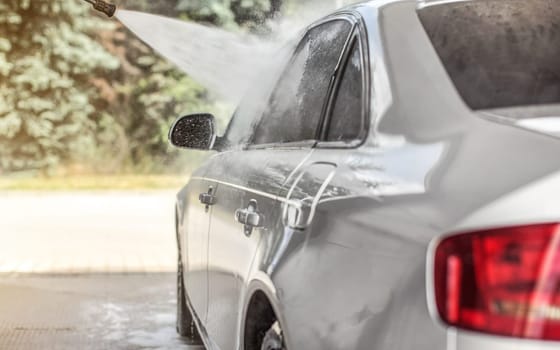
(372, 194)
(106, 311)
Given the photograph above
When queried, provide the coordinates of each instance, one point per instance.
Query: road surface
(87, 232)
(97, 312)
(88, 271)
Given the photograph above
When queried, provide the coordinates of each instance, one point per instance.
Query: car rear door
(316, 206)
(331, 170)
(252, 179)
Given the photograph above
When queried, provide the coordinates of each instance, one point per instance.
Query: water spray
(102, 6)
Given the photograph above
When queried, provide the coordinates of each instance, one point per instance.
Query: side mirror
(196, 131)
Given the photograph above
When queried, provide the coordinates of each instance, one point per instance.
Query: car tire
(186, 327)
(273, 339)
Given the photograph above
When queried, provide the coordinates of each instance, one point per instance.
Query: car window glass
(347, 120)
(296, 105)
(251, 107)
(498, 53)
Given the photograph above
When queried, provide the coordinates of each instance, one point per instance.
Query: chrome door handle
(250, 217)
(208, 199)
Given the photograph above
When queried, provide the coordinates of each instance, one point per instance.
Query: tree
(231, 13)
(78, 88)
(47, 58)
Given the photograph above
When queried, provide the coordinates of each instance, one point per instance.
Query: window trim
(304, 144)
(359, 34)
(349, 17)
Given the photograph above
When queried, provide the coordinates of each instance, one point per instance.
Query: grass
(94, 183)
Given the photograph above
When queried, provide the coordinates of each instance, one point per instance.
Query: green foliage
(213, 11)
(230, 14)
(47, 58)
(78, 89)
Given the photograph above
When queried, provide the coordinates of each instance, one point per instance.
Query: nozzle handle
(106, 8)
(102, 6)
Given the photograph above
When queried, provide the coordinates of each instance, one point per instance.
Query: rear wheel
(273, 339)
(185, 323)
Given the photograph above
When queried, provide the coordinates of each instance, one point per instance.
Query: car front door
(199, 197)
(251, 180)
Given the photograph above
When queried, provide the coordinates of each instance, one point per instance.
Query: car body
(319, 218)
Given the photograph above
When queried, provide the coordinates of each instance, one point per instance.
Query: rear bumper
(464, 340)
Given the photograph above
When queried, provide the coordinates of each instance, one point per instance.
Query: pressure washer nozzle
(102, 6)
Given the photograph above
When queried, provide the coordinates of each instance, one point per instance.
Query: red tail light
(502, 281)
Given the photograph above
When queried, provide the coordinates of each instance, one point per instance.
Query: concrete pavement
(84, 232)
(94, 312)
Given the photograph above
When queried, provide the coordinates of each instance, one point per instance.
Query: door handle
(208, 199)
(249, 217)
(298, 213)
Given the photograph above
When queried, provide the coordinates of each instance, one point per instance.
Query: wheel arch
(261, 309)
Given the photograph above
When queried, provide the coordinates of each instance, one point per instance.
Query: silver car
(394, 185)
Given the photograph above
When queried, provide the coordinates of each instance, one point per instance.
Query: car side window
(347, 117)
(240, 129)
(295, 108)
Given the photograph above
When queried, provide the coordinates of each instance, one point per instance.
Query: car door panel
(231, 249)
(194, 243)
(225, 264)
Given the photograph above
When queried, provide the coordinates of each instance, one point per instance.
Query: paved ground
(87, 232)
(111, 311)
(87, 271)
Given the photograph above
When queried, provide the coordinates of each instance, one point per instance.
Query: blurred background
(85, 108)
(82, 96)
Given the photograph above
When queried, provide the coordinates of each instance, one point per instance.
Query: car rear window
(498, 53)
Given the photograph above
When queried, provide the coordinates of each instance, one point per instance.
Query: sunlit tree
(47, 58)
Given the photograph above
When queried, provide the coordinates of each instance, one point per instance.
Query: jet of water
(226, 63)
(223, 62)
